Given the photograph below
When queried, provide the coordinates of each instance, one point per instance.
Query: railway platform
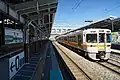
(115, 48)
(33, 68)
(25, 28)
(43, 65)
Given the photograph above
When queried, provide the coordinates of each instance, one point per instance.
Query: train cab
(98, 43)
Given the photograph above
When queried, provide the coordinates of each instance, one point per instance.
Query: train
(95, 43)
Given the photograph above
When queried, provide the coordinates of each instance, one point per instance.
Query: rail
(72, 62)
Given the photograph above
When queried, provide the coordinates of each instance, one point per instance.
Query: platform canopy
(38, 13)
(112, 23)
(108, 23)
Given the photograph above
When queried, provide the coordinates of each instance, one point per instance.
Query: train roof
(80, 31)
(96, 29)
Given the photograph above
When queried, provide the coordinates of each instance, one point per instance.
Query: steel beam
(41, 32)
(41, 8)
(5, 8)
(35, 17)
(31, 4)
(45, 32)
(37, 27)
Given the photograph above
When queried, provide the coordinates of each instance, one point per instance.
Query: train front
(99, 41)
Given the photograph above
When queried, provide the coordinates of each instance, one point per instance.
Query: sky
(73, 13)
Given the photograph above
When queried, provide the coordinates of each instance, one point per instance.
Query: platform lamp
(112, 22)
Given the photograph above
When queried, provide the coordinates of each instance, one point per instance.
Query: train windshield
(109, 38)
(91, 38)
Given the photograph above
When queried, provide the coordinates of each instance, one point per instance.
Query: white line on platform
(114, 50)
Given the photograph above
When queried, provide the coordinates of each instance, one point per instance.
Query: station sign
(13, 36)
(15, 64)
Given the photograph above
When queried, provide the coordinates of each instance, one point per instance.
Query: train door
(102, 42)
(79, 40)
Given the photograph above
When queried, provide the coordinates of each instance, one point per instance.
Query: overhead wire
(77, 4)
(112, 9)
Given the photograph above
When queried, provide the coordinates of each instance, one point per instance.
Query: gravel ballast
(93, 69)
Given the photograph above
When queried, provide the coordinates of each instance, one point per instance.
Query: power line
(77, 4)
(108, 10)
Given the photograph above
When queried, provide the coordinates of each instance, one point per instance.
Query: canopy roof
(38, 13)
(108, 23)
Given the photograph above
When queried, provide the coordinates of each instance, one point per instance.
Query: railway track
(115, 56)
(78, 73)
(111, 65)
(115, 61)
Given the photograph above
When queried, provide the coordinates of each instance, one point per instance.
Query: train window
(91, 38)
(14, 33)
(73, 39)
(79, 38)
(101, 37)
(65, 38)
(109, 38)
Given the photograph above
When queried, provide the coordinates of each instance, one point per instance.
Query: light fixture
(0, 22)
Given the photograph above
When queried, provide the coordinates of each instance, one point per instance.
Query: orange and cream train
(96, 43)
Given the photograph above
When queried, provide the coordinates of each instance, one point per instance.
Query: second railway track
(111, 66)
(78, 73)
